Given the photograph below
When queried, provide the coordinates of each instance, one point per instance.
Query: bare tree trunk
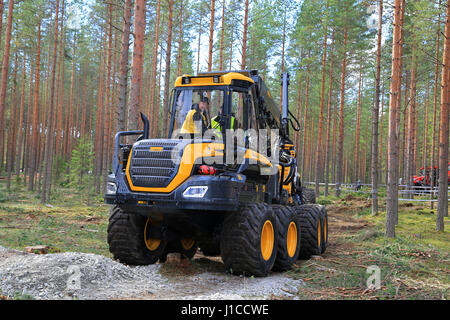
(221, 36)
(328, 129)
(392, 185)
(411, 125)
(21, 126)
(375, 115)
(4, 79)
(180, 42)
(425, 131)
(244, 39)
(12, 128)
(153, 72)
(49, 145)
(108, 105)
(166, 107)
(320, 127)
(138, 63)
(123, 69)
(435, 101)
(99, 129)
(211, 35)
(340, 143)
(442, 206)
(305, 121)
(358, 130)
(34, 144)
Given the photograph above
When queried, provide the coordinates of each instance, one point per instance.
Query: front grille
(153, 169)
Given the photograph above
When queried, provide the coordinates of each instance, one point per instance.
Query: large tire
(311, 235)
(127, 233)
(289, 236)
(248, 241)
(308, 196)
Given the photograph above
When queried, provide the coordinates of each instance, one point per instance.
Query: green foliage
(81, 167)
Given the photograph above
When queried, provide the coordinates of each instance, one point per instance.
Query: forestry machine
(224, 181)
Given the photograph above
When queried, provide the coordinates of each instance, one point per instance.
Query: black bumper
(222, 195)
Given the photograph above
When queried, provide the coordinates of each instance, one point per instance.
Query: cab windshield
(196, 110)
(193, 105)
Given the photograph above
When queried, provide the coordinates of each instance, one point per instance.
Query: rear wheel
(288, 228)
(308, 196)
(131, 238)
(311, 226)
(249, 240)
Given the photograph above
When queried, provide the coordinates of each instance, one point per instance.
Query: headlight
(195, 192)
(111, 188)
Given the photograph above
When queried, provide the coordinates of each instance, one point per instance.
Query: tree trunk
(392, 185)
(358, 130)
(221, 37)
(49, 145)
(167, 72)
(137, 66)
(320, 127)
(244, 38)
(108, 104)
(4, 79)
(211, 35)
(328, 129)
(153, 71)
(305, 121)
(180, 43)
(12, 128)
(375, 115)
(411, 124)
(442, 206)
(35, 132)
(123, 68)
(21, 126)
(340, 143)
(435, 102)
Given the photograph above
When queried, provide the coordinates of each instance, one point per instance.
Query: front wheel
(131, 238)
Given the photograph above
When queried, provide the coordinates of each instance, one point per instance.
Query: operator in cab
(216, 123)
(198, 115)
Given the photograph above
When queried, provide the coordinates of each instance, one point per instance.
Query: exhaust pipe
(146, 126)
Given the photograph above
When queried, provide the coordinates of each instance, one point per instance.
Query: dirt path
(88, 276)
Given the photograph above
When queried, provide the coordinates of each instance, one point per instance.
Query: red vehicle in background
(424, 178)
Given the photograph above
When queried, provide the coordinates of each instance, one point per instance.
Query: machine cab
(212, 101)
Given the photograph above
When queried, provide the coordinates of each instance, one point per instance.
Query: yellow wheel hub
(151, 243)
(319, 234)
(325, 230)
(267, 240)
(292, 239)
(187, 243)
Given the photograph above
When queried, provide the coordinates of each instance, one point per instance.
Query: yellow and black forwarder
(210, 186)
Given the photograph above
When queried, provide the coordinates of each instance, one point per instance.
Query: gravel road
(73, 275)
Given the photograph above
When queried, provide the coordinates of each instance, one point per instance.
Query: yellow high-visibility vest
(215, 123)
(189, 123)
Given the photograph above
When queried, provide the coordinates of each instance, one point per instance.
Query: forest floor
(414, 265)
